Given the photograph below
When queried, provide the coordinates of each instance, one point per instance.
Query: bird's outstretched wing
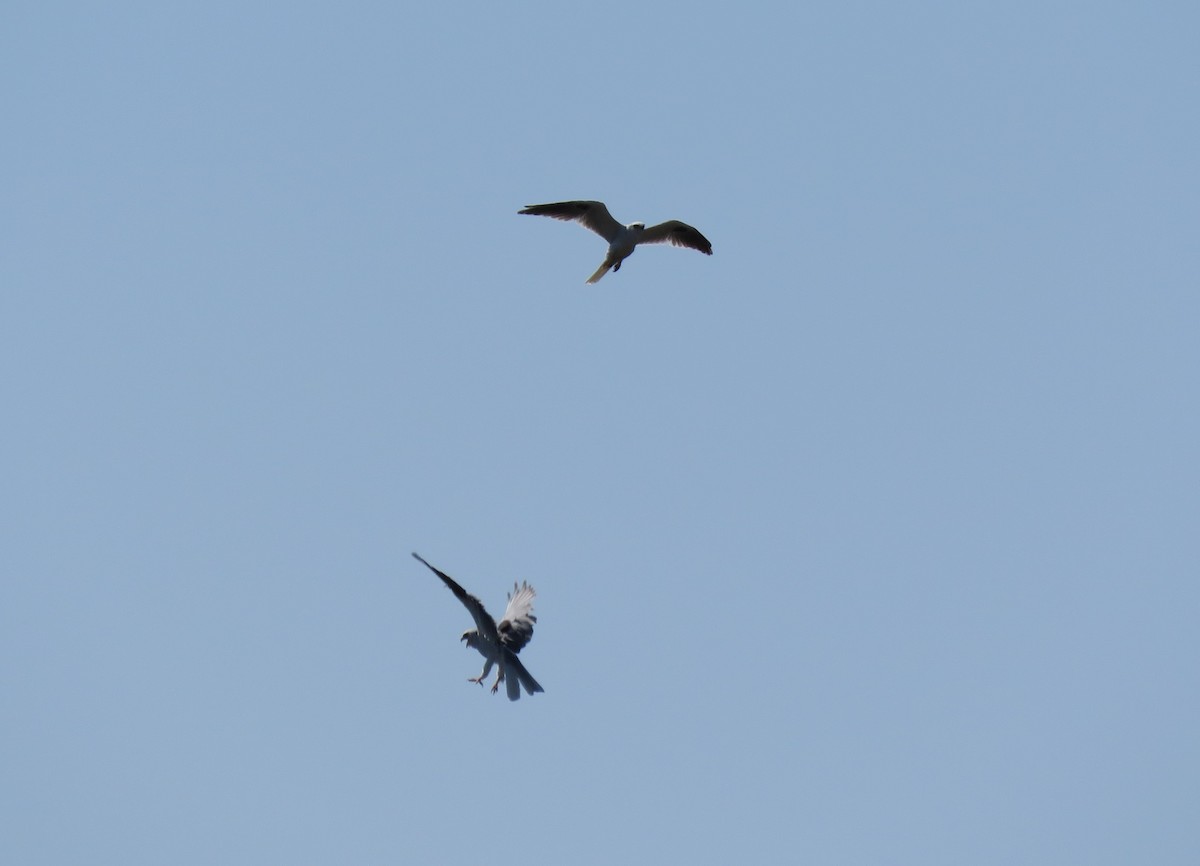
(483, 620)
(516, 628)
(590, 214)
(677, 233)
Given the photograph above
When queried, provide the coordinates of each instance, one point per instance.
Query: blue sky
(870, 539)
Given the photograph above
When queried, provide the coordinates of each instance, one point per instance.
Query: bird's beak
(463, 639)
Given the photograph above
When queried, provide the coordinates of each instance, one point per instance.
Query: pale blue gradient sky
(873, 538)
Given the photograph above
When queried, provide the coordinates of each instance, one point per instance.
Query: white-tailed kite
(622, 240)
(499, 643)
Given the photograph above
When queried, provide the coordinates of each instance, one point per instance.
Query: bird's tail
(516, 676)
(595, 278)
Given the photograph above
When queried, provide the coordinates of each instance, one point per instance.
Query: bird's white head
(636, 227)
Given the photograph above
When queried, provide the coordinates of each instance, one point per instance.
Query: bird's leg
(499, 679)
(487, 669)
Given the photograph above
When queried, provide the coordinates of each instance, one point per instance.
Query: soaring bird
(622, 240)
(498, 643)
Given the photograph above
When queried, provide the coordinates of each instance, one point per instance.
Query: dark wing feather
(516, 628)
(483, 620)
(677, 233)
(590, 214)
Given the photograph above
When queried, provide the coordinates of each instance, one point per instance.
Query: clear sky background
(873, 538)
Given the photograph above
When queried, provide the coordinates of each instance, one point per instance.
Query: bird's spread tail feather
(595, 278)
(516, 675)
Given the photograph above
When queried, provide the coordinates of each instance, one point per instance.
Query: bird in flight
(622, 240)
(498, 643)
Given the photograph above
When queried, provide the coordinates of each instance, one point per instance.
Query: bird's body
(511, 672)
(622, 239)
(498, 643)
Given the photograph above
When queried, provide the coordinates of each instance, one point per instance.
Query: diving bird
(622, 240)
(498, 643)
